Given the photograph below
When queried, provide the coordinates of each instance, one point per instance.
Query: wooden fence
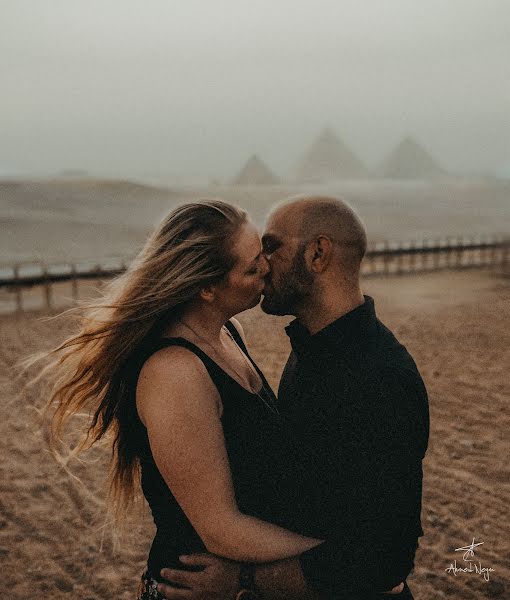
(20, 279)
(390, 258)
(382, 259)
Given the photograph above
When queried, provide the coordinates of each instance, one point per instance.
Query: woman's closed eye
(256, 266)
(255, 270)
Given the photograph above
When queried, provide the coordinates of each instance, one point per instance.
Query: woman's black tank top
(269, 472)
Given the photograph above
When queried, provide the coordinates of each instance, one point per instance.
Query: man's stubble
(292, 290)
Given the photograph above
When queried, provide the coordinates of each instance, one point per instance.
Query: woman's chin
(256, 301)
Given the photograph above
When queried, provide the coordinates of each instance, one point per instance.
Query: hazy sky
(190, 88)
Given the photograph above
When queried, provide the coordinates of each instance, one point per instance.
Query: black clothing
(358, 402)
(267, 471)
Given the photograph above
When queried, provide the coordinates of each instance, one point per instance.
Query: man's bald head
(308, 217)
(314, 246)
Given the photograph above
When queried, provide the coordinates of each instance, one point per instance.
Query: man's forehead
(283, 222)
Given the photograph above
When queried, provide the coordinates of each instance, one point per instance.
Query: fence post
(460, 249)
(434, 261)
(456, 252)
(426, 255)
(74, 282)
(494, 256)
(421, 256)
(447, 244)
(479, 251)
(19, 297)
(400, 258)
(386, 258)
(437, 254)
(47, 287)
(504, 243)
(447, 257)
(99, 280)
(505, 258)
(491, 251)
(412, 257)
(472, 253)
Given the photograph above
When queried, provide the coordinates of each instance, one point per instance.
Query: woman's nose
(264, 266)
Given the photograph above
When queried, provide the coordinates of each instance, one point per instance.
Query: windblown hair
(191, 249)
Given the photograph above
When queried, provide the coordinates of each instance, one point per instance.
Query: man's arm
(283, 580)
(219, 580)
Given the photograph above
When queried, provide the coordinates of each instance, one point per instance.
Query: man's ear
(319, 253)
(208, 294)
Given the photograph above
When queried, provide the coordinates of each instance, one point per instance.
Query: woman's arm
(180, 406)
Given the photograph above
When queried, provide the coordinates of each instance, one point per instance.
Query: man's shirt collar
(352, 328)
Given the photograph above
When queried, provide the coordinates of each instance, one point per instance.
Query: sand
(453, 324)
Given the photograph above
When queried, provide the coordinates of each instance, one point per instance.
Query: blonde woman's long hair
(191, 249)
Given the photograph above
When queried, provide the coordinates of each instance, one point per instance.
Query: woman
(165, 370)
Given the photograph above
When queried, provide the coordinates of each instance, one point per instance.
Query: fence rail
(382, 259)
(410, 257)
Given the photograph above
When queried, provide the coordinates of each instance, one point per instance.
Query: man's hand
(218, 579)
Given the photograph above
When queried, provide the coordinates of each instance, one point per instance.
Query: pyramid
(255, 172)
(409, 160)
(329, 159)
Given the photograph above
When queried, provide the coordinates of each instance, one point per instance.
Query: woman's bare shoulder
(172, 363)
(170, 377)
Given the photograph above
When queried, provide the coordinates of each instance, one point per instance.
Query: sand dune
(91, 219)
(453, 323)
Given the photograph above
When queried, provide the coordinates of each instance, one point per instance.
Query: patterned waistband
(147, 589)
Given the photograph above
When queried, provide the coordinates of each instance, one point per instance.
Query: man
(358, 403)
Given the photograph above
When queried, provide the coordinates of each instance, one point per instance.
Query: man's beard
(293, 290)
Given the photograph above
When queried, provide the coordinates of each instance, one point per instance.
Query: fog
(186, 91)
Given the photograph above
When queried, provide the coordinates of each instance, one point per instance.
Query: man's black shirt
(359, 405)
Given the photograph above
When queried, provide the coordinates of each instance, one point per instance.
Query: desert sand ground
(53, 544)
